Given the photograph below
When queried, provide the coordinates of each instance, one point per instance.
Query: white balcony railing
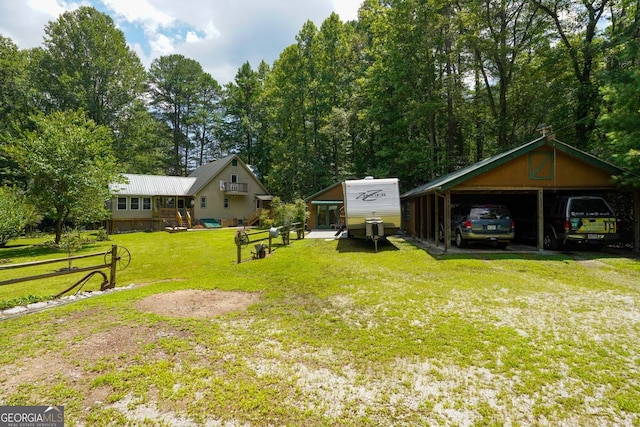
(235, 187)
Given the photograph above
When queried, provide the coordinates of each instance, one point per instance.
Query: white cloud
(161, 45)
(220, 34)
(347, 9)
(24, 22)
(140, 11)
(192, 37)
(210, 30)
(50, 8)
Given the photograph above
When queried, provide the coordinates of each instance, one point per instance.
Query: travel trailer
(372, 207)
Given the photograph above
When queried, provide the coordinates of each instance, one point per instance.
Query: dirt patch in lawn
(197, 303)
(86, 350)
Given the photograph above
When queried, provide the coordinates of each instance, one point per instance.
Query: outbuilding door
(327, 216)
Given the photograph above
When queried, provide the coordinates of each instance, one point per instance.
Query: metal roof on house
(154, 185)
(452, 179)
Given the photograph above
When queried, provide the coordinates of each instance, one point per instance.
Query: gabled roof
(206, 173)
(153, 185)
(209, 171)
(324, 190)
(157, 185)
(452, 179)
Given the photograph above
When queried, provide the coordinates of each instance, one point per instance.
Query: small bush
(265, 220)
(102, 235)
(22, 301)
(15, 214)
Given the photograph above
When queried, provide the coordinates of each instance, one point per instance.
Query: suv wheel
(549, 241)
(460, 242)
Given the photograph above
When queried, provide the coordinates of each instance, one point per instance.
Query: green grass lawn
(341, 336)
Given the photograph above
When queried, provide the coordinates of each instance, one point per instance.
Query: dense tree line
(411, 89)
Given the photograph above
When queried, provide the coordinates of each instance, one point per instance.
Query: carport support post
(540, 242)
(419, 219)
(429, 218)
(437, 220)
(636, 221)
(447, 220)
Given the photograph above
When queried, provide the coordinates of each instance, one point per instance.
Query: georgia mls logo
(31, 416)
(370, 195)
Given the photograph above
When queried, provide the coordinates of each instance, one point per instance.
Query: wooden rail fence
(114, 258)
(244, 238)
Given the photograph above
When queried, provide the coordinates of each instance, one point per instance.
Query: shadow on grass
(25, 251)
(492, 256)
(562, 256)
(22, 251)
(518, 251)
(362, 245)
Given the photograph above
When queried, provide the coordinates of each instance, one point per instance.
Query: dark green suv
(482, 223)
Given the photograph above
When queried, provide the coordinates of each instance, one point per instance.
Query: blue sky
(220, 34)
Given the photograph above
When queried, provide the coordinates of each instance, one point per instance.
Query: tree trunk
(59, 222)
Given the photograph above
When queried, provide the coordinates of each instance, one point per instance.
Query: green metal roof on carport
(480, 177)
(452, 179)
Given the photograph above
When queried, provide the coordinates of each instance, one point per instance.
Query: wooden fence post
(114, 260)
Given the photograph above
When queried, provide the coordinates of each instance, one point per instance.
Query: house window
(257, 204)
(171, 202)
(146, 203)
(226, 203)
(135, 203)
(203, 202)
(234, 162)
(234, 177)
(122, 203)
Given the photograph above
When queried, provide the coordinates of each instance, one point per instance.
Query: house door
(327, 216)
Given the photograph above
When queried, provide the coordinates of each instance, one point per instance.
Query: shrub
(102, 235)
(285, 214)
(15, 214)
(265, 220)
